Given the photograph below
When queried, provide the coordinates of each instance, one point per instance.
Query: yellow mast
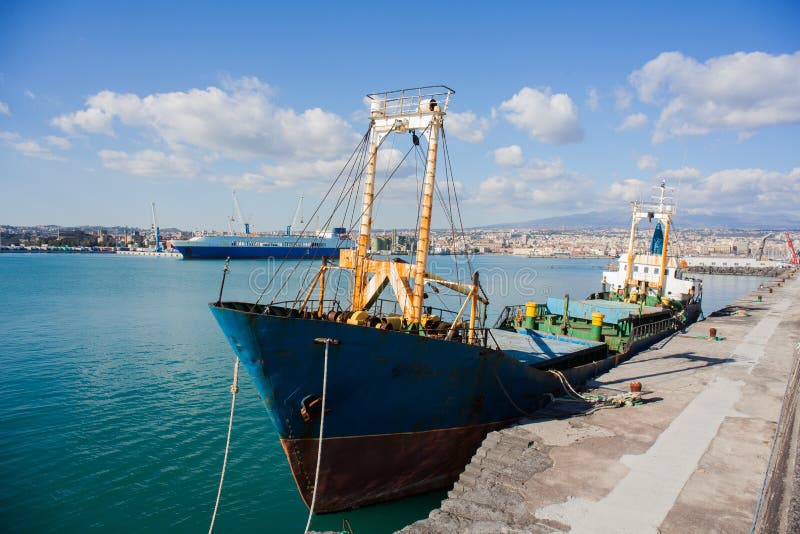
(366, 227)
(629, 273)
(425, 218)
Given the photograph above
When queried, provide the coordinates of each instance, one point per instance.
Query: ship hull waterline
(404, 413)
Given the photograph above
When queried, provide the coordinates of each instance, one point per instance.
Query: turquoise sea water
(114, 394)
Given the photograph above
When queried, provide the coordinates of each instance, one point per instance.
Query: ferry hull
(254, 253)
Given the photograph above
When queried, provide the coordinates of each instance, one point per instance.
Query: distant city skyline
(559, 109)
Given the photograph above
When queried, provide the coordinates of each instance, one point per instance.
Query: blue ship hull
(405, 413)
(254, 253)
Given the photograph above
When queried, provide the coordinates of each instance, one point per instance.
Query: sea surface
(114, 393)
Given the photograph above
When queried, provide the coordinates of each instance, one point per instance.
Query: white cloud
(30, 94)
(4, 109)
(290, 174)
(508, 156)
(622, 98)
(647, 162)
(631, 122)
(92, 120)
(593, 99)
(628, 190)
(58, 142)
(29, 147)
(148, 163)
(741, 91)
(542, 184)
(467, 126)
(684, 173)
(551, 118)
(239, 120)
(744, 191)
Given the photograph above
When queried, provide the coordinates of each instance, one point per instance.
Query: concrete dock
(713, 449)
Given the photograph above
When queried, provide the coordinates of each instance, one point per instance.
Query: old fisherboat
(409, 391)
(645, 300)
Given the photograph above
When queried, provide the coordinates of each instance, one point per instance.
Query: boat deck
(537, 348)
(613, 311)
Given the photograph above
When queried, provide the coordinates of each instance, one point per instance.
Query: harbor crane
(245, 223)
(156, 233)
(760, 253)
(793, 259)
(298, 214)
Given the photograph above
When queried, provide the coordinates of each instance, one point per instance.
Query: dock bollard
(759, 298)
(530, 315)
(597, 326)
(712, 333)
(770, 290)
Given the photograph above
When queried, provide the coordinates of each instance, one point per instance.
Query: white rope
(319, 446)
(234, 391)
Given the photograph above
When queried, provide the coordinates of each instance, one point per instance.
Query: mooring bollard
(712, 333)
(759, 298)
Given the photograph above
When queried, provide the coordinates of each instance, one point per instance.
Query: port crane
(245, 223)
(793, 259)
(760, 253)
(298, 214)
(156, 233)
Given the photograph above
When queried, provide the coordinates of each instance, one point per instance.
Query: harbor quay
(711, 447)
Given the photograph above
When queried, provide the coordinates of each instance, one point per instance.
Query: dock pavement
(713, 447)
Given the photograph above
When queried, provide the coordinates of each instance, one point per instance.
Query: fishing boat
(377, 394)
(245, 244)
(645, 299)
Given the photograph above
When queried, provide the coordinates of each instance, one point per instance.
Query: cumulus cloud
(593, 99)
(58, 142)
(622, 98)
(632, 122)
(741, 91)
(542, 184)
(744, 191)
(551, 118)
(628, 190)
(148, 163)
(647, 162)
(239, 120)
(725, 192)
(684, 173)
(29, 147)
(508, 156)
(292, 173)
(276, 176)
(4, 109)
(467, 126)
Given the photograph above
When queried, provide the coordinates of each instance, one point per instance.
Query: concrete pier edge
(714, 449)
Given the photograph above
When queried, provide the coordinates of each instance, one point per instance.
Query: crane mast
(156, 232)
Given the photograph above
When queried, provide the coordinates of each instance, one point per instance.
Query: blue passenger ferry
(249, 246)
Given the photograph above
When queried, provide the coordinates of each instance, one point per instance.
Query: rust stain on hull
(362, 470)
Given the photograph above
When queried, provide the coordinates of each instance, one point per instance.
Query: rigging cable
(327, 193)
(234, 391)
(321, 428)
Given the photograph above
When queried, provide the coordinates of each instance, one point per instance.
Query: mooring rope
(321, 427)
(234, 391)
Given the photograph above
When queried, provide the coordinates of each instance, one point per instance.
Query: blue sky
(561, 107)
